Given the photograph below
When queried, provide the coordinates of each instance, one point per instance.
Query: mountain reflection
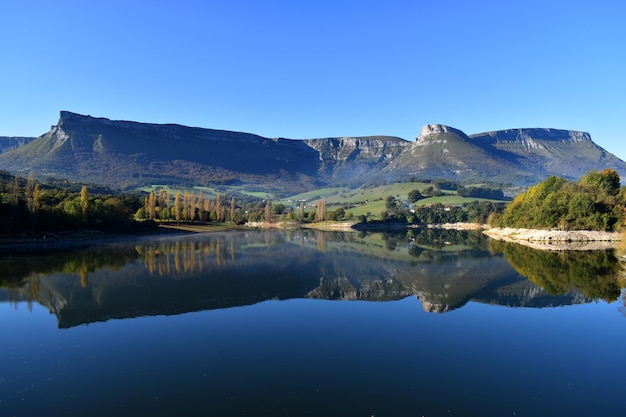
(444, 269)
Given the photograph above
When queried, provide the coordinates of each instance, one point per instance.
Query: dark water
(309, 323)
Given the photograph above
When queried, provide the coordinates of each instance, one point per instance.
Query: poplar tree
(177, 207)
(151, 206)
(268, 212)
(84, 201)
(321, 210)
(218, 207)
(200, 204)
(192, 207)
(30, 193)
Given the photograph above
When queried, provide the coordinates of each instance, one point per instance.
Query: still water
(430, 323)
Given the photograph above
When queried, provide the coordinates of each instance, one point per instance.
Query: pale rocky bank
(557, 239)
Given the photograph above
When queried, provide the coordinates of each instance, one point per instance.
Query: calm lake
(298, 323)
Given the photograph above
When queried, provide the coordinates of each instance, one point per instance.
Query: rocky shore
(557, 239)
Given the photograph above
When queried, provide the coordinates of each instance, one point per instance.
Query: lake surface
(264, 323)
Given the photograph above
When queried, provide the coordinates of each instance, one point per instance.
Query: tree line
(28, 205)
(437, 213)
(188, 207)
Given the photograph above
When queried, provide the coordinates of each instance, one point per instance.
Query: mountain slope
(11, 142)
(444, 152)
(549, 151)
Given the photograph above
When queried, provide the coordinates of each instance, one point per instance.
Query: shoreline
(535, 238)
(44, 241)
(557, 239)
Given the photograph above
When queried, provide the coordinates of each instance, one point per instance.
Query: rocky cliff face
(532, 137)
(353, 159)
(432, 132)
(548, 152)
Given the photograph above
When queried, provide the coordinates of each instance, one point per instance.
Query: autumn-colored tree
(84, 201)
(208, 205)
(192, 207)
(232, 210)
(177, 207)
(200, 204)
(268, 212)
(164, 211)
(218, 207)
(151, 209)
(321, 210)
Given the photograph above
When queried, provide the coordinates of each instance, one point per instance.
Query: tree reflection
(24, 270)
(594, 273)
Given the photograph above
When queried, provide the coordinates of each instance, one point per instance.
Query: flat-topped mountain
(126, 154)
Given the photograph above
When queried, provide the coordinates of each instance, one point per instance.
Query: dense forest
(595, 202)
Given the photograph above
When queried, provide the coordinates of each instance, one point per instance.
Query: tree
(390, 203)
(177, 207)
(218, 208)
(415, 195)
(151, 209)
(32, 194)
(84, 201)
(164, 211)
(321, 210)
(591, 203)
(337, 214)
(201, 211)
(278, 208)
(192, 206)
(268, 212)
(36, 198)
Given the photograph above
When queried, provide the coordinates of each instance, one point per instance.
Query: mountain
(126, 154)
(11, 142)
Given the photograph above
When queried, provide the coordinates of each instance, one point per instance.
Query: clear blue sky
(306, 69)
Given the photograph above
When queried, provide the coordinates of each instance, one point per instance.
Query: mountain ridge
(126, 154)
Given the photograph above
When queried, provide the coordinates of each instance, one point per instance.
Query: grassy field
(371, 201)
(368, 201)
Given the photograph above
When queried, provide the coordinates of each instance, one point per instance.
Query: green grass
(314, 195)
(209, 192)
(359, 201)
(371, 200)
